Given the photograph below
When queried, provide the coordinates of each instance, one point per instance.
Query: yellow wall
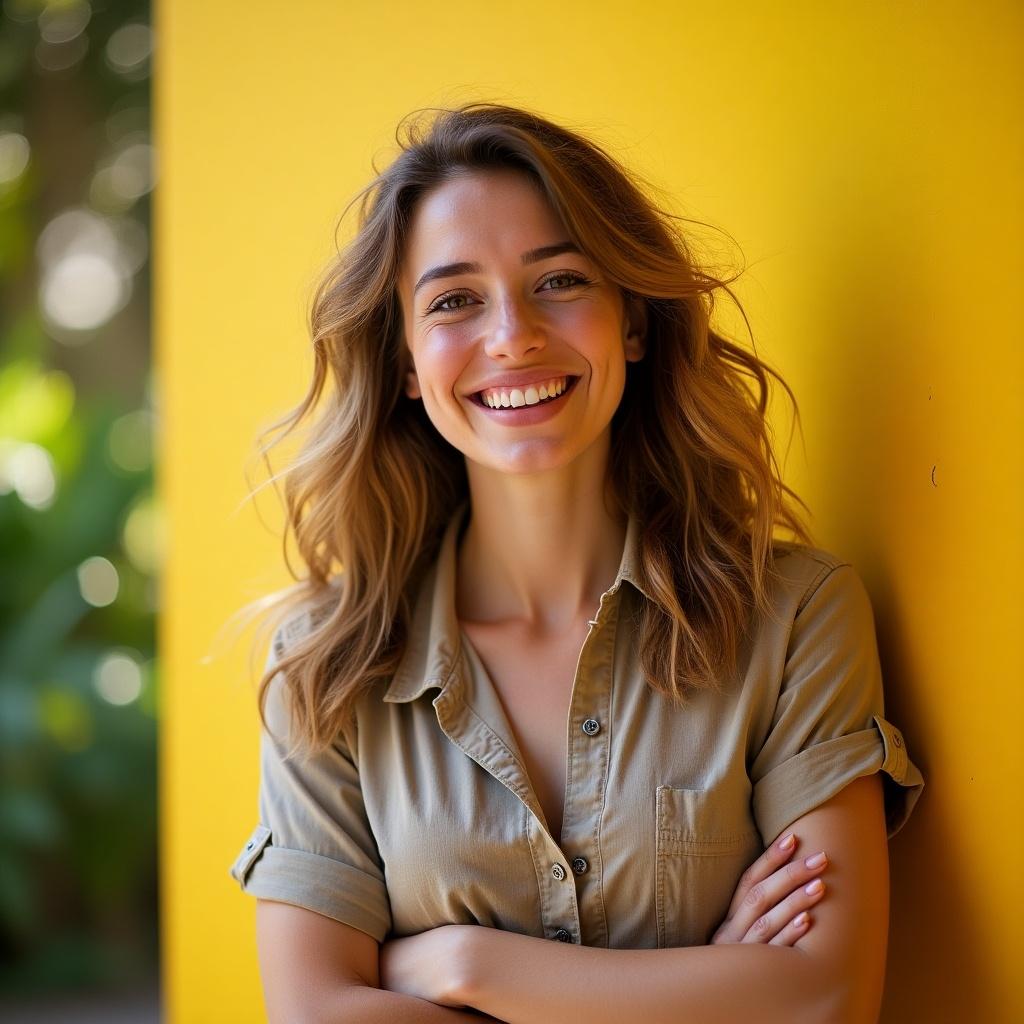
(867, 161)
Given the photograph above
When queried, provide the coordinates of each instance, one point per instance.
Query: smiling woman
(550, 673)
(527, 315)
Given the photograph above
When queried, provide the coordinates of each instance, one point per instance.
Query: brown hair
(374, 484)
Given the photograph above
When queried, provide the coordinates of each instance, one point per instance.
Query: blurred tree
(79, 526)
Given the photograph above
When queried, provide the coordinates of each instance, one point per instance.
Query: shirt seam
(826, 570)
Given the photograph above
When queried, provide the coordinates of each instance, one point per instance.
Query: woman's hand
(428, 965)
(770, 902)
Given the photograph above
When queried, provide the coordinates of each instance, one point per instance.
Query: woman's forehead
(477, 214)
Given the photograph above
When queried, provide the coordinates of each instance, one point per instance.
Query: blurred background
(79, 526)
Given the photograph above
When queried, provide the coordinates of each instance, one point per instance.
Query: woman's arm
(833, 974)
(316, 970)
(360, 1004)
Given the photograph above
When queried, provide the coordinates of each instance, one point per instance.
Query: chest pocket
(703, 847)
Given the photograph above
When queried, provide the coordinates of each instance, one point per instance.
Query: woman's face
(494, 297)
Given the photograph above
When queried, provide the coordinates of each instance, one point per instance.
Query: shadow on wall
(880, 474)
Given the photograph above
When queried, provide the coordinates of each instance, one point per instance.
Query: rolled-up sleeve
(829, 724)
(313, 846)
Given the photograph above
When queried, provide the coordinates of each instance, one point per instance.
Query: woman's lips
(524, 415)
(569, 384)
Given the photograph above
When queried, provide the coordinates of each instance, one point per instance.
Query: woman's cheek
(586, 325)
(447, 347)
(442, 369)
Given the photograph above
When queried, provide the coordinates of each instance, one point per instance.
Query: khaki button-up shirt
(422, 814)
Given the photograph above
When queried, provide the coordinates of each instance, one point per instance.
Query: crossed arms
(833, 974)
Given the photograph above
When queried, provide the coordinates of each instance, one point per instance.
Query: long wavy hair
(374, 484)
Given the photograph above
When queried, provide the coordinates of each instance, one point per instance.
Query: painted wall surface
(866, 158)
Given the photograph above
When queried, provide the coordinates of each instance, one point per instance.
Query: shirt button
(897, 739)
(579, 865)
(562, 935)
(591, 726)
(558, 872)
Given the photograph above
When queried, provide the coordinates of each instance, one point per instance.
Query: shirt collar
(433, 647)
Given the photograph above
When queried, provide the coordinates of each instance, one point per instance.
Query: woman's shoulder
(801, 568)
(796, 555)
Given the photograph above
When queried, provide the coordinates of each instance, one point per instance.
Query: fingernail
(816, 861)
(801, 919)
(787, 842)
(814, 888)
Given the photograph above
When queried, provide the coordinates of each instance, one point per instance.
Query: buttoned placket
(587, 761)
(588, 756)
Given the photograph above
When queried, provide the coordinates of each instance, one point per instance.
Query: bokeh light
(129, 49)
(61, 56)
(85, 272)
(63, 22)
(14, 156)
(28, 470)
(34, 403)
(118, 677)
(98, 581)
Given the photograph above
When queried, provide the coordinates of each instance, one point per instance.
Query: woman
(551, 675)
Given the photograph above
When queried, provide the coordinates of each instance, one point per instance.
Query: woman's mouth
(523, 413)
(524, 397)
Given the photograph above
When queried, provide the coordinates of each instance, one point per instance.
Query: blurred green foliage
(79, 524)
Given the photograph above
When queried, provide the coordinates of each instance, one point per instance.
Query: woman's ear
(412, 384)
(635, 320)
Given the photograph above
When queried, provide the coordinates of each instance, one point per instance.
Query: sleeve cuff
(326, 886)
(816, 774)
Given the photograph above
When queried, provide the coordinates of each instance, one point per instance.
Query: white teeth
(516, 397)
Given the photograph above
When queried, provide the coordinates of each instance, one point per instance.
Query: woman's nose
(514, 332)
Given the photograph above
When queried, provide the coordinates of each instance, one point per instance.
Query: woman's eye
(438, 305)
(572, 278)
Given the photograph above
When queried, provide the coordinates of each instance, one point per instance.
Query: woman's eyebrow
(530, 256)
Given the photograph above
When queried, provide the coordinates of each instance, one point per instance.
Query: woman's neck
(540, 554)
